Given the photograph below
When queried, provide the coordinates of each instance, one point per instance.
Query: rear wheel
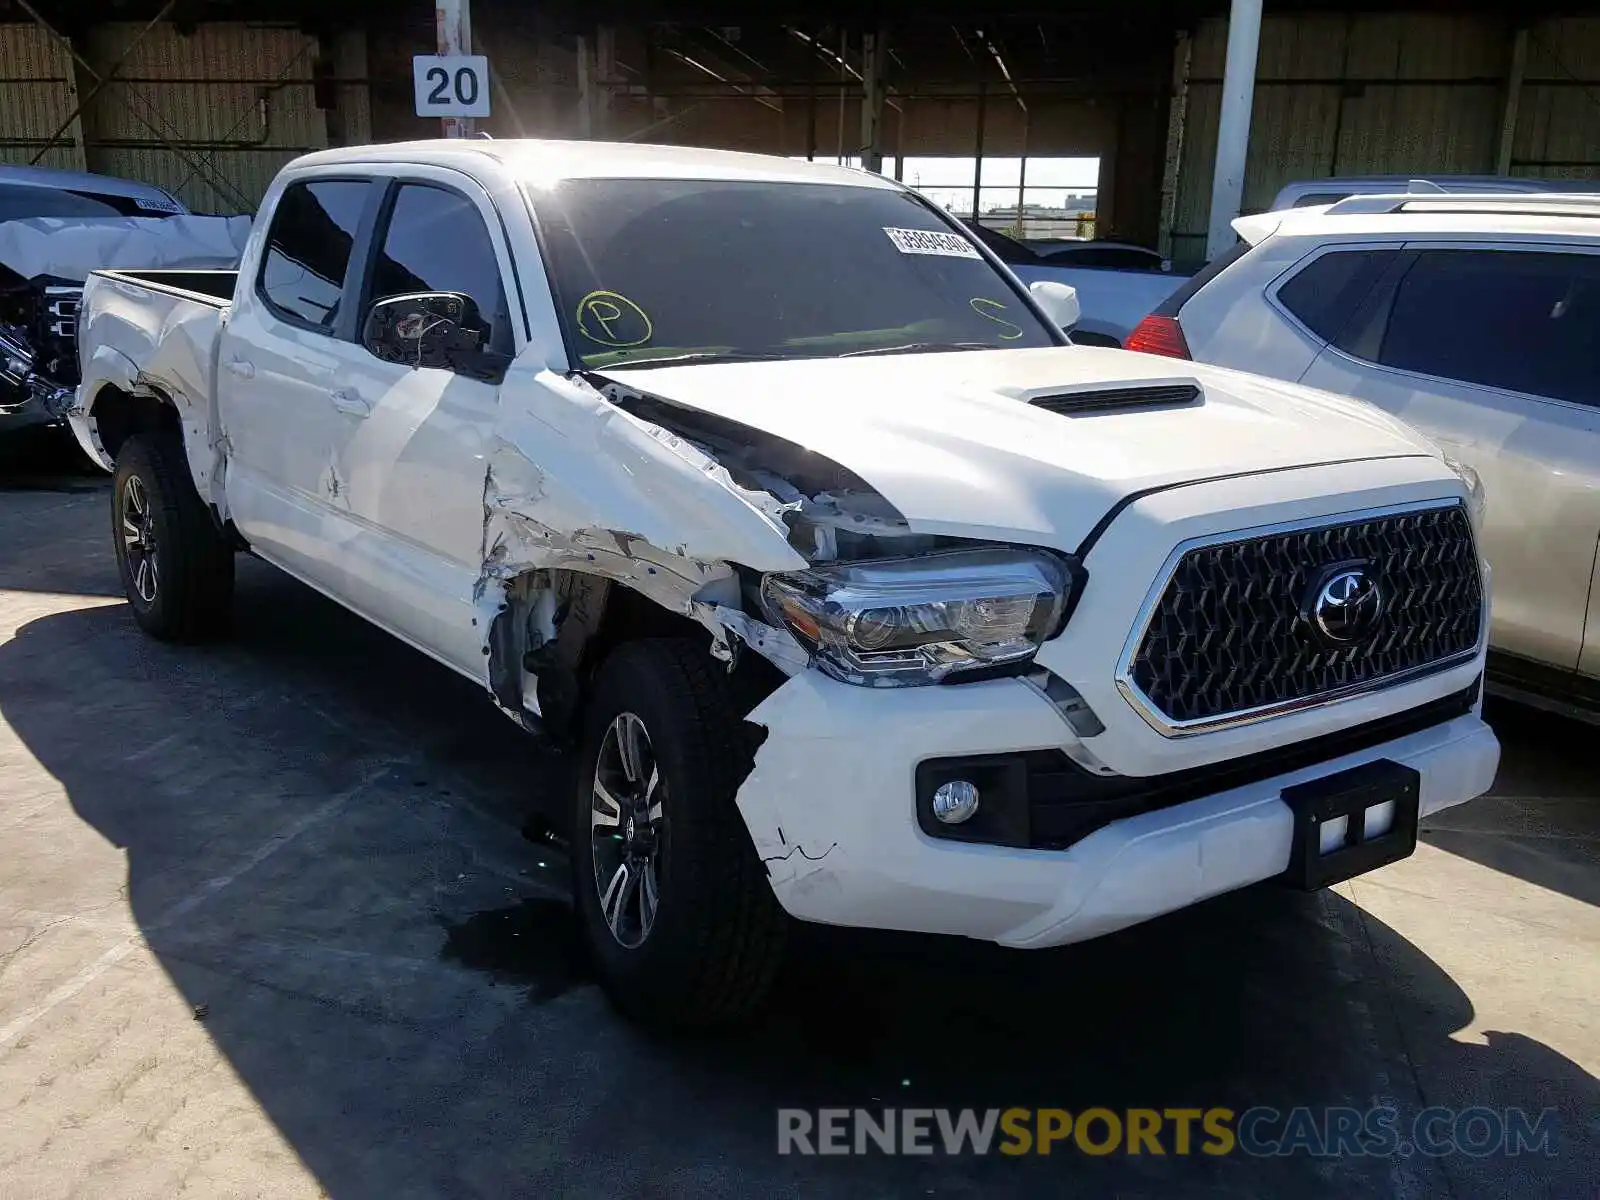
(673, 901)
(176, 567)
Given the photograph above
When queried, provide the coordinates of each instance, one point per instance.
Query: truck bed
(155, 332)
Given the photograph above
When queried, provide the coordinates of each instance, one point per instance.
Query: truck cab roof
(549, 161)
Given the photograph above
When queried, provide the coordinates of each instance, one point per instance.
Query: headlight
(1476, 500)
(897, 622)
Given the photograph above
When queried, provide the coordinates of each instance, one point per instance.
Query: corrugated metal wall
(210, 116)
(1558, 125)
(1399, 93)
(36, 97)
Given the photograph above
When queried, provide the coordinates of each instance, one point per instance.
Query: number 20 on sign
(455, 85)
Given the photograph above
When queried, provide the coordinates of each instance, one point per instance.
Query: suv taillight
(1158, 335)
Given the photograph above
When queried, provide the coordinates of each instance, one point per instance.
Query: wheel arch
(560, 626)
(115, 414)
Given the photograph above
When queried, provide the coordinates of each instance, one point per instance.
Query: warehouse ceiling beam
(738, 83)
(692, 52)
(832, 58)
(988, 44)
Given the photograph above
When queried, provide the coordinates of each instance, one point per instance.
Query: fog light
(955, 801)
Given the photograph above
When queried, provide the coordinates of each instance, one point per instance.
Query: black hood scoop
(1122, 399)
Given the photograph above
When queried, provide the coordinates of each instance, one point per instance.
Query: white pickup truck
(865, 598)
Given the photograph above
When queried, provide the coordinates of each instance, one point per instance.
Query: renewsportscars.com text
(1331, 1132)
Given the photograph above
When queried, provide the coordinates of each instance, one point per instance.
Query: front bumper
(831, 808)
(832, 801)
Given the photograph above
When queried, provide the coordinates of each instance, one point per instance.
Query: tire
(709, 955)
(176, 567)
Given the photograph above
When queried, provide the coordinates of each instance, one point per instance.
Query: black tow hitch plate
(1352, 795)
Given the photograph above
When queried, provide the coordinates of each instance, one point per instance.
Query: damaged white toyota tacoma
(864, 596)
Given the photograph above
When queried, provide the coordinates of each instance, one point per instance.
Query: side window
(436, 241)
(1325, 292)
(308, 249)
(1514, 319)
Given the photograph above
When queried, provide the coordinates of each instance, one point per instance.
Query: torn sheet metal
(632, 502)
(143, 341)
(70, 248)
(777, 646)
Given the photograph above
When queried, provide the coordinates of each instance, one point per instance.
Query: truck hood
(953, 442)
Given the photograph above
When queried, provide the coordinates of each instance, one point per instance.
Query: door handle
(242, 367)
(350, 403)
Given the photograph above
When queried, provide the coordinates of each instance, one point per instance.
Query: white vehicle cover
(69, 248)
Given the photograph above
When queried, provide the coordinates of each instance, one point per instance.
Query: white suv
(1475, 318)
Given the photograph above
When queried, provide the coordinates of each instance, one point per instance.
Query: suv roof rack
(1537, 204)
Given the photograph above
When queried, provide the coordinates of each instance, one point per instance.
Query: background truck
(57, 226)
(863, 597)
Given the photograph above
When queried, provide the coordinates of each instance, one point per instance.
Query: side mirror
(1059, 301)
(433, 329)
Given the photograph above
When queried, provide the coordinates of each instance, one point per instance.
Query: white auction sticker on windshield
(931, 241)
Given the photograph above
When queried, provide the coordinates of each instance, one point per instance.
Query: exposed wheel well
(118, 415)
(594, 616)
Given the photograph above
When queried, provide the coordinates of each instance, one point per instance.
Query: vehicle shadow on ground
(321, 836)
(46, 460)
(1546, 826)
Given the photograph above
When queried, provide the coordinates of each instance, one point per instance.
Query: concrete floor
(267, 928)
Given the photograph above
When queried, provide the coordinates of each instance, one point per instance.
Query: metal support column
(596, 70)
(1508, 123)
(811, 123)
(977, 153)
(1021, 230)
(899, 143)
(605, 72)
(1233, 127)
(1177, 117)
(874, 50)
(453, 27)
(844, 61)
(585, 89)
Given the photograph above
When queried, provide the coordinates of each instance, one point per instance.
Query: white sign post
(451, 85)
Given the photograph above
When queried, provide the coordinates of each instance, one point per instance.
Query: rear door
(1491, 349)
(279, 362)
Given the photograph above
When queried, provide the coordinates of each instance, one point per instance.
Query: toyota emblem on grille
(1345, 604)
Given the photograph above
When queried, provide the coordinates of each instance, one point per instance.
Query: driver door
(410, 443)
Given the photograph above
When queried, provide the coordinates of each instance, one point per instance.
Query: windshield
(17, 202)
(661, 271)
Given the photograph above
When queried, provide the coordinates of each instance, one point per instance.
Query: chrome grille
(1232, 632)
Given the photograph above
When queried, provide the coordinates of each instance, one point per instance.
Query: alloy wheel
(627, 828)
(139, 539)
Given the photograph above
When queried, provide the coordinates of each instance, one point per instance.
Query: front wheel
(673, 901)
(176, 567)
